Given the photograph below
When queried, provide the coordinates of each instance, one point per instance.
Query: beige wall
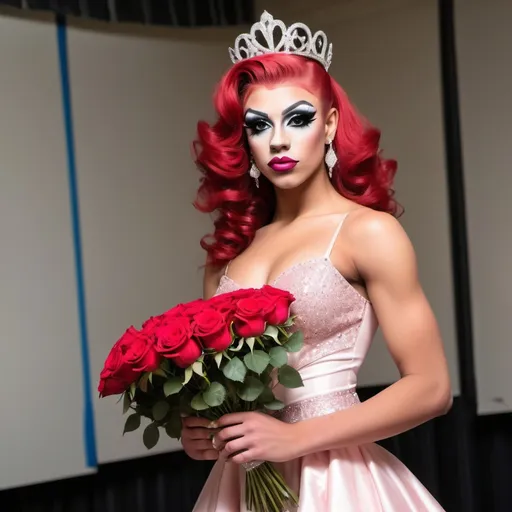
(136, 105)
(137, 94)
(42, 398)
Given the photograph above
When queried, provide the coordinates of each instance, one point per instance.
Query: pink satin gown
(338, 325)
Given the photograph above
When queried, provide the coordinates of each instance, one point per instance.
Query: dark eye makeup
(298, 115)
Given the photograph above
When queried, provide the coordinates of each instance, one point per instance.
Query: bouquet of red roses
(209, 358)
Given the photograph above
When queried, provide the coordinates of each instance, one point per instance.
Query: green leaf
(257, 361)
(126, 402)
(160, 410)
(132, 423)
(250, 343)
(251, 389)
(188, 375)
(265, 377)
(272, 332)
(275, 405)
(215, 394)
(150, 436)
(289, 322)
(197, 403)
(165, 365)
(278, 357)
(218, 359)
(173, 426)
(197, 367)
(266, 396)
(295, 343)
(289, 377)
(172, 386)
(235, 370)
(239, 346)
(133, 389)
(143, 382)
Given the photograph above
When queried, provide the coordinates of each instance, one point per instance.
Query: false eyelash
(307, 119)
(252, 127)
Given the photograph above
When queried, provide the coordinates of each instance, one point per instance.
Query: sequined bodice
(337, 321)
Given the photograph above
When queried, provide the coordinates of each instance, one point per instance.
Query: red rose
(151, 323)
(250, 317)
(192, 308)
(175, 311)
(278, 305)
(116, 375)
(174, 341)
(188, 354)
(224, 304)
(110, 386)
(212, 330)
(138, 351)
(245, 293)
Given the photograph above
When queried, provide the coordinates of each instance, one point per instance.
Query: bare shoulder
(211, 280)
(363, 223)
(379, 242)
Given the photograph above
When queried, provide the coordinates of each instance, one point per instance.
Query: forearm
(404, 405)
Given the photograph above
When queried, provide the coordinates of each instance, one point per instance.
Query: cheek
(311, 143)
(259, 146)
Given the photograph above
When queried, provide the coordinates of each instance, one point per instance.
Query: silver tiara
(272, 36)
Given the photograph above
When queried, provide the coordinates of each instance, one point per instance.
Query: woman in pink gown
(304, 203)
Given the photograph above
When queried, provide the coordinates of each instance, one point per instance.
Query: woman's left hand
(257, 436)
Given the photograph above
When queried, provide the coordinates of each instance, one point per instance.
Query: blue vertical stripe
(88, 411)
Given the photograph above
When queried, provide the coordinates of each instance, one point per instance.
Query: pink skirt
(354, 479)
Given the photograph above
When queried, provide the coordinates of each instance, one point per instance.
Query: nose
(279, 141)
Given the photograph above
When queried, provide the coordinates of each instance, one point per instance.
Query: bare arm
(385, 259)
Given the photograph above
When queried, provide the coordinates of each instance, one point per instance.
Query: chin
(287, 181)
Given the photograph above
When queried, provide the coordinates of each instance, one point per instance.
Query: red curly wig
(222, 154)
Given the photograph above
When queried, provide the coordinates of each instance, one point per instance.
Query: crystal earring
(254, 173)
(330, 158)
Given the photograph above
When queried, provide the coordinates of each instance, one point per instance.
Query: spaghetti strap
(335, 236)
(226, 268)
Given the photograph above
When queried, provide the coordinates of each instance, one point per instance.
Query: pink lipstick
(282, 164)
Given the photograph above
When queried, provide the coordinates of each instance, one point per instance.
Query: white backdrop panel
(40, 362)
(484, 43)
(136, 102)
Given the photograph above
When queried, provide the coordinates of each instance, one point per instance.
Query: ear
(331, 124)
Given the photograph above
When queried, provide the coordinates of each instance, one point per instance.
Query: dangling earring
(330, 158)
(254, 173)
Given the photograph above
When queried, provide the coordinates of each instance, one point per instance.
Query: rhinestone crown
(272, 36)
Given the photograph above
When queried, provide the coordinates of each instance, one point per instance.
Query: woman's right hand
(196, 438)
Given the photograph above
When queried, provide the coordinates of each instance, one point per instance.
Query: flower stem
(276, 490)
(283, 331)
(261, 491)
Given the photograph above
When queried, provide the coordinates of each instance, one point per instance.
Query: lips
(282, 164)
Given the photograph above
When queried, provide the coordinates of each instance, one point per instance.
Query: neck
(314, 197)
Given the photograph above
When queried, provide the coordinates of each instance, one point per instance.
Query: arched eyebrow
(286, 111)
(291, 108)
(256, 113)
